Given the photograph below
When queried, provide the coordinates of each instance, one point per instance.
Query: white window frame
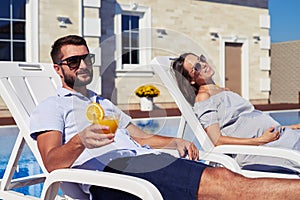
(31, 31)
(31, 34)
(145, 49)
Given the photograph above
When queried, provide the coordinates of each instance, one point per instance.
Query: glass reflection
(19, 51)
(4, 9)
(19, 9)
(4, 29)
(5, 51)
(19, 30)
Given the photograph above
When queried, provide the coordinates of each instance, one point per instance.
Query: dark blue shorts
(175, 178)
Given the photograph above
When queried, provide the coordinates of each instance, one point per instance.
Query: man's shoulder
(49, 100)
(48, 103)
(100, 99)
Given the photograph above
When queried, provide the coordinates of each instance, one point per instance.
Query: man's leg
(220, 183)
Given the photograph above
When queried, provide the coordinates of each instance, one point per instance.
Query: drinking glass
(112, 121)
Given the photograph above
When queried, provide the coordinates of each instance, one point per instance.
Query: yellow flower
(147, 91)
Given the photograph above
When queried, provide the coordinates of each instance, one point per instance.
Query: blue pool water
(286, 118)
(162, 126)
(27, 164)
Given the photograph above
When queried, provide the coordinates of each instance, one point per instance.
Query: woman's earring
(193, 82)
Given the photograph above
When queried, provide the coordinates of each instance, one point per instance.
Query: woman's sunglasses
(201, 62)
(73, 62)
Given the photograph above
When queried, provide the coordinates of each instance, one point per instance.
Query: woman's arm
(217, 138)
(294, 126)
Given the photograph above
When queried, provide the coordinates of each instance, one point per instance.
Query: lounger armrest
(219, 158)
(288, 154)
(139, 187)
(27, 181)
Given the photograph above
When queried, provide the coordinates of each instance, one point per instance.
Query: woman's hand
(269, 135)
(186, 148)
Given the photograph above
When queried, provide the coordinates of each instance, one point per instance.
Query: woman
(228, 118)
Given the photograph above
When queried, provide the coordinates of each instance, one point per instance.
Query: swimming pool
(286, 117)
(161, 126)
(28, 165)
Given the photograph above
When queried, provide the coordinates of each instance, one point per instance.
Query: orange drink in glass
(110, 121)
(95, 114)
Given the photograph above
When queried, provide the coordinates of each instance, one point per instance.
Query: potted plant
(146, 94)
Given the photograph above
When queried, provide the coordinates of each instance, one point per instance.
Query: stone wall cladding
(285, 72)
(188, 25)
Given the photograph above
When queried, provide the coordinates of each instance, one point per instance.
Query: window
(130, 39)
(133, 40)
(12, 30)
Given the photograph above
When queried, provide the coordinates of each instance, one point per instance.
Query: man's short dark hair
(66, 40)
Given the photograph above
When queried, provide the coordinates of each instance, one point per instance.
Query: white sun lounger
(161, 66)
(22, 87)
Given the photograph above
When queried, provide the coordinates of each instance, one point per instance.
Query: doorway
(233, 67)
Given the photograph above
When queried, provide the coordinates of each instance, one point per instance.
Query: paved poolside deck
(160, 110)
(283, 106)
(136, 113)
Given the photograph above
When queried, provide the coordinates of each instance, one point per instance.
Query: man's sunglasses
(73, 62)
(201, 62)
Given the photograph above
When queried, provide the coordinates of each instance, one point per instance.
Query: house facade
(126, 35)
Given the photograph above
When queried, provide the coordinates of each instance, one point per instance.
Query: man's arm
(161, 142)
(57, 155)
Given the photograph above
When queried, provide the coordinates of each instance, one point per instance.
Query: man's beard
(74, 81)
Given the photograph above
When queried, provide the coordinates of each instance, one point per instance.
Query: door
(233, 67)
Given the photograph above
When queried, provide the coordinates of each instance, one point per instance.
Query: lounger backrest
(23, 86)
(161, 66)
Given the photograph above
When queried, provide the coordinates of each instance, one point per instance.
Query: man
(66, 139)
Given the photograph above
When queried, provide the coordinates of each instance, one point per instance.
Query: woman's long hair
(183, 79)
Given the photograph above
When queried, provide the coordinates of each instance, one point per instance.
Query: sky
(285, 20)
